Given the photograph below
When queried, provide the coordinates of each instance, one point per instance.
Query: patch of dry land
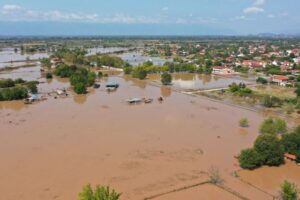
(51, 149)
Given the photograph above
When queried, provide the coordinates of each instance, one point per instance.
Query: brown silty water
(50, 149)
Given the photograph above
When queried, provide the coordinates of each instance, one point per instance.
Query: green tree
(273, 126)
(250, 159)
(166, 78)
(244, 122)
(268, 146)
(80, 88)
(297, 91)
(100, 193)
(288, 191)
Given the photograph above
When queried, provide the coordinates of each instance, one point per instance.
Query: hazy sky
(146, 17)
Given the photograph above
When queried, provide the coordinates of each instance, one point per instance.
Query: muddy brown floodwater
(51, 149)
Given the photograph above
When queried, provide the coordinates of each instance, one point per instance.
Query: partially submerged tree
(250, 159)
(100, 193)
(288, 191)
(244, 122)
(214, 175)
(166, 78)
(273, 126)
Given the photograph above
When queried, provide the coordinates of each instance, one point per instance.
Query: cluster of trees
(146, 68)
(240, 89)
(99, 193)
(73, 56)
(269, 148)
(80, 78)
(106, 60)
(16, 89)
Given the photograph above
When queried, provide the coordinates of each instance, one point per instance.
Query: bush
(127, 69)
(65, 71)
(244, 122)
(100, 193)
(80, 88)
(100, 74)
(6, 83)
(289, 191)
(261, 80)
(291, 142)
(14, 93)
(240, 89)
(32, 86)
(166, 78)
(271, 101)
(139, 73)
(250, 159)
(49, 76)
(270, 149)
(273, 126)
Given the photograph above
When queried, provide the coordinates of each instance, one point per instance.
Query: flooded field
(8, 56)
(270, 178)
(136, 58)
(51, 149)
(186, 81)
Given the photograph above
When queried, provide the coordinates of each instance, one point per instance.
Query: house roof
(290, 156)
(282, 78)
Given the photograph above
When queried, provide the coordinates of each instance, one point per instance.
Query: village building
(222, 70)
(280, 80)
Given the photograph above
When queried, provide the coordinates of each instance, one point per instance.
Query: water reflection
(165, 91)
(80, 99)
(135, 82)
(12, 105)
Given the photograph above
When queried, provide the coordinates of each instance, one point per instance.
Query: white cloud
(165, 9)
(253, 9)
(271, 16)
(10, 8)
(17, 13)
(259, 2)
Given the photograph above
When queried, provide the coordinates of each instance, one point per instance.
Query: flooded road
(51, 149)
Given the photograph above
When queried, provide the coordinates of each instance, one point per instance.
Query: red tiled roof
(282, 78)
(290, 156)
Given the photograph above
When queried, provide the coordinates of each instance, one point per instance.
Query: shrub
(49, 76)
(261, 80)
(100, 74)
(271, 101)
(166, 78)
(273, 126)
(139, 73)
(32, 86)
(291, 142)
(6, 83)
(80, 88)
(100, 193)
(214, 175)
(244, 122)
(14, 93)
(250, 159)
(65, 71)
(127, 69)
(288, 191)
